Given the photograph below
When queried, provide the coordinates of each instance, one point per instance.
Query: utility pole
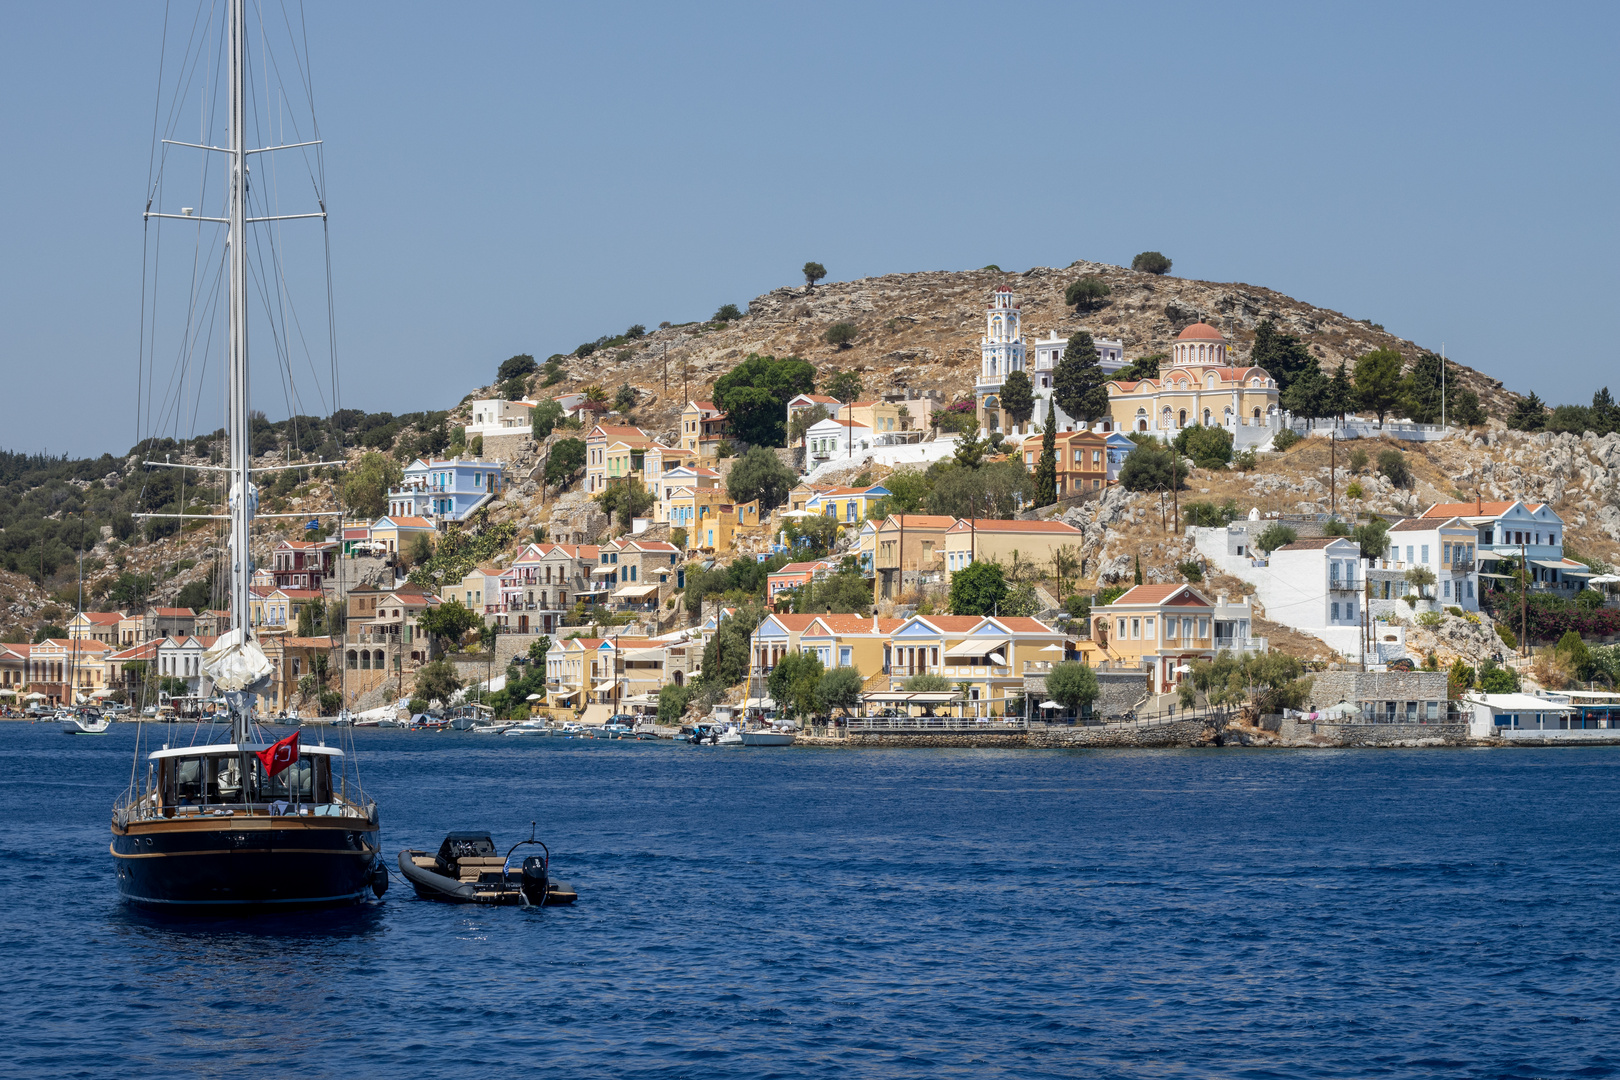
(1162, 527)
(1333, 475)
(1442, 386)
(1524, 604)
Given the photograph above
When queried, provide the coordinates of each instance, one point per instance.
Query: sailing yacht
(246, 822)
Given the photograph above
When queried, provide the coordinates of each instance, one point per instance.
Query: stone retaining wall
(1010, 740)
(1177, 733)
(1306, 733)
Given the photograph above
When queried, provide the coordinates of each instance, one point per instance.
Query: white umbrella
(533, 697)
(8, 693)
(34, 697)
(1050, 705)
(1054, 648)
(104, 693)
(1183, 668)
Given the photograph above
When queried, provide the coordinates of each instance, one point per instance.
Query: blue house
(445, 491)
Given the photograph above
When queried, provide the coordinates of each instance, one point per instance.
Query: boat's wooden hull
(248, 862)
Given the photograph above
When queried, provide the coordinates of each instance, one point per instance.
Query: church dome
(1200, 331)
(1200, 345)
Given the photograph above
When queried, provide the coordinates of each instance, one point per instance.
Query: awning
(606, 685)
(920, 697)
(1559, 564)
(637, 591)
(1500, 577)
(643, 654)
(977, 647)
(603, 571)
(563, 695)
(760, 703)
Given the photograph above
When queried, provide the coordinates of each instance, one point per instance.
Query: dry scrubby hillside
(922, 330)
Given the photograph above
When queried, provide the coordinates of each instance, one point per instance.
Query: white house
(1315, 585)
(1445, 547)
(494, 416)
(835, 438)
(446, 490)
(180, 657)
(1513, 529)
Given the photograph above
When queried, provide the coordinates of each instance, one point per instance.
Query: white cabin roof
(211, 749)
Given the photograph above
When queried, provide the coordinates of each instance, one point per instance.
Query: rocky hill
(921, 331)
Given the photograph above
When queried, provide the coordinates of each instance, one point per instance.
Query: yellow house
(396, 532)
(1156, 627)
(711, 520)
(855, 641)
(604, 438)
(95, 626)
(880, 417)
(973, 540)
(478, 591)
(703, 428)
(847, 505)
(661, 459)
(676, 487)
(987, 656)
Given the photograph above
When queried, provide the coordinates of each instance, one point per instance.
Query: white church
(1002, 351)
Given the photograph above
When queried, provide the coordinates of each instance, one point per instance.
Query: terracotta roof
(1476, 509)
(307, 544)
(920, 521)
(103, 618)
(1024, 625)
(17, 648)
(174, 613)
(819, 399)
(1200, 331)
(144, 651)
(307, 642)
(952, 624)
(1420, 524)
(615, 430)
(300, 594)
(1150, 594)
(858, 624)
(77, 644)
(1313, 543)
(800, 568)
(1003, 525)
(411, 523)
(706, 406)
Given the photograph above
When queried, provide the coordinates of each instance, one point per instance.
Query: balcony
(1462, 566)
(1347, 584)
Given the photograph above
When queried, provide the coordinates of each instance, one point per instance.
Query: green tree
(795, 684)
(841, 689)
(996, 490)
(727, 313)
(1071, 685)
(450, 621)
(980, 589)
(726, 657)
(1420, 390)
(672, 701)
(1017, 397)
(1378, 382)
(1310, 395)
(970, 450)
(1529, 414)
(1209, 447)
(1151, 466)
(813, 272)
(366, 486)
(566, 459)
(437, 680)
(1151, 262)
(1373, 538)
(515, 367)
(625, 400)
(760, 474)
(1341, 396)
(1498, 680)
(755, 393)
(625, 499)
(926, 683)
(1283, 356)
(841, 334)
(1275, 536)
(543, 418)
(1392, 463)
(1575, 655)
(907, 489)
(1046, 470)
(194, 595)
(1462, 407)
(1078, 383)
(803, 421)
(1086, 292)
(845, 386)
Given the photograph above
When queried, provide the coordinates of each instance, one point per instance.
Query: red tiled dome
(1200, 331)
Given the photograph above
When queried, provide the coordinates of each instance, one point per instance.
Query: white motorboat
(730, 737)
(522, 730)
(90, 723)
(767, 737)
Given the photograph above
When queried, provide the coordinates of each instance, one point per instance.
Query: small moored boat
(468, 870)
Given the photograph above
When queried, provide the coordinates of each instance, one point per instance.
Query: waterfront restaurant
(988, 655)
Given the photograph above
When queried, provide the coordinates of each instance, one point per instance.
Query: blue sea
(828, 913)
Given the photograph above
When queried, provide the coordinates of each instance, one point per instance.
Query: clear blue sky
(520, 178)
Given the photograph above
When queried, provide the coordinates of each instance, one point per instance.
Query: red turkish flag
(279, 755)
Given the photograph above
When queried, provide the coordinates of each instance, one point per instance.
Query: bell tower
(1001, 351)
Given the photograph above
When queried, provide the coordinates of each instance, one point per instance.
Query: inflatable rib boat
(468, 870)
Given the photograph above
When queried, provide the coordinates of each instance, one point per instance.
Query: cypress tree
(1046, 469)
(1139, 570)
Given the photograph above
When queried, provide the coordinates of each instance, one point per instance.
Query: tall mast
(240, 475)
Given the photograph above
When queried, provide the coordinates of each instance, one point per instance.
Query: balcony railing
(1347, 584)
(1462, 566)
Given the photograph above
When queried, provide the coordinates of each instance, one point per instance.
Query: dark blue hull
(245, 862)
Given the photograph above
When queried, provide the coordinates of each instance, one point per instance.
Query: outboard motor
(536, 881)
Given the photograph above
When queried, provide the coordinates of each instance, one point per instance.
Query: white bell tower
(1001, 350)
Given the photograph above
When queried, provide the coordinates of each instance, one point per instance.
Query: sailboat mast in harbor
(247, 823)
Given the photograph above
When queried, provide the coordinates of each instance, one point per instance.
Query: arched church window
(1210, 382)
(1181, 418)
